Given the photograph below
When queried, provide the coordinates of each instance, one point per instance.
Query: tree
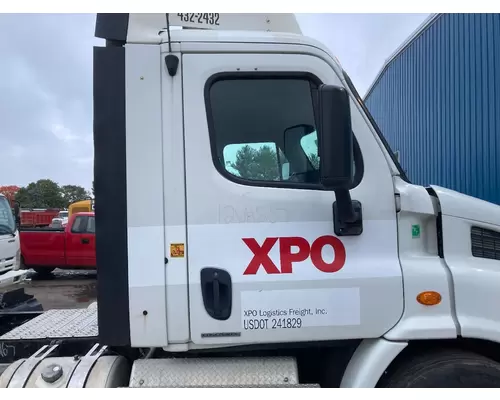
(314, 158)
(9, 191)
(43, 193)
(72, 193)
(262, 163)
(256, 164)
(93, 190)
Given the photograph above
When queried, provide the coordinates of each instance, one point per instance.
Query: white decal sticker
(295, 309)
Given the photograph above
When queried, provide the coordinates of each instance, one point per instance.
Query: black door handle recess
(216, 289)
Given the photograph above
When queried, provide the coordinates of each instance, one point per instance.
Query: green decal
(415, 231)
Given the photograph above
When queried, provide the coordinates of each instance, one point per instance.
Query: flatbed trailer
(72, 330)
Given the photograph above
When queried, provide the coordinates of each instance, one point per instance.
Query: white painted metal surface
(423, 269)
(145, 216)
(11, 277)
(369, 362)
(286, 23)
(9, 240)
(475, 280)
(144, 28)
(372, 264)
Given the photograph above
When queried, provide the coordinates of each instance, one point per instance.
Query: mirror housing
(336, 150)
(335, 138)
(17, 213)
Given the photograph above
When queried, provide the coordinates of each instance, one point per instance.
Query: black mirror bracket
(347, 214)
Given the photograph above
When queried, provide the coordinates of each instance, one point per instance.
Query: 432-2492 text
(202, 19)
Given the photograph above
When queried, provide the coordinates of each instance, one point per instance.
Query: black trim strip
(439, 223)
(315, 81)
(112, 27)
(110, 183)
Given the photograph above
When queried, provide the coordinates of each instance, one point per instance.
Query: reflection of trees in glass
(261, 163)
(309, 144)
(256, 164)
(313, 157)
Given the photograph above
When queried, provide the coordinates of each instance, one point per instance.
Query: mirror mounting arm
(347, 214)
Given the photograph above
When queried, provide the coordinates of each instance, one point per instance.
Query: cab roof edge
(122, 27)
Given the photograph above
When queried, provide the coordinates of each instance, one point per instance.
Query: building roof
(407, 43)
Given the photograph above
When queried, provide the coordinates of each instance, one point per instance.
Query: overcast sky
(46, 84)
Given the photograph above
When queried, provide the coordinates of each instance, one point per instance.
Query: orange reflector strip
(429, 298)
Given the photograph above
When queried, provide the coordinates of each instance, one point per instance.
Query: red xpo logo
(287, 257)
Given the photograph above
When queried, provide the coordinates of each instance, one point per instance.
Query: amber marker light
(429, 298)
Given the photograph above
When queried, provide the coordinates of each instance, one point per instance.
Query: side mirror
(17, 216)
(335, 138)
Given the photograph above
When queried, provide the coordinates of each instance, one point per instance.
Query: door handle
(216, 289)
(85, 241)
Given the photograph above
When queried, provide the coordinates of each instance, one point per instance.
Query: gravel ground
(64, 289)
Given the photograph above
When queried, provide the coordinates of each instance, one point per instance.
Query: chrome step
(215, 372)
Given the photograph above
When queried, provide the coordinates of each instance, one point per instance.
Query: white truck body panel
(211, 225)
(475, 280)
(423, 269)
(9, 246)
(11, 277)
(144, 28)
(146, 248)
(10, 253)
(221, 213)
(150, 238)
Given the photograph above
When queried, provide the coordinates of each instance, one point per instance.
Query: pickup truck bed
(71, 247)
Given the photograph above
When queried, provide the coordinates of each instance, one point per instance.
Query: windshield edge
(402, 173)
(5, 206)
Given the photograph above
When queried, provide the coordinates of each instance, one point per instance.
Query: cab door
(264, 262)
(80, 242)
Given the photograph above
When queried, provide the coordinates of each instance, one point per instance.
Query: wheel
(445, 369)
(43, 271)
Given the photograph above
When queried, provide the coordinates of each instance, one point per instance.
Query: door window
(90, 225)
(263, 130)
(80, 224)
(84, 224)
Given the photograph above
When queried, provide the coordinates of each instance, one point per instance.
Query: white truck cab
(10, 250)
(247, 202)
(60, 220)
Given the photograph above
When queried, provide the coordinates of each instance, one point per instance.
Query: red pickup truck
(70, 247)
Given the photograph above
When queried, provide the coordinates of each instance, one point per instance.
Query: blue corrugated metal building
(437, 102)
